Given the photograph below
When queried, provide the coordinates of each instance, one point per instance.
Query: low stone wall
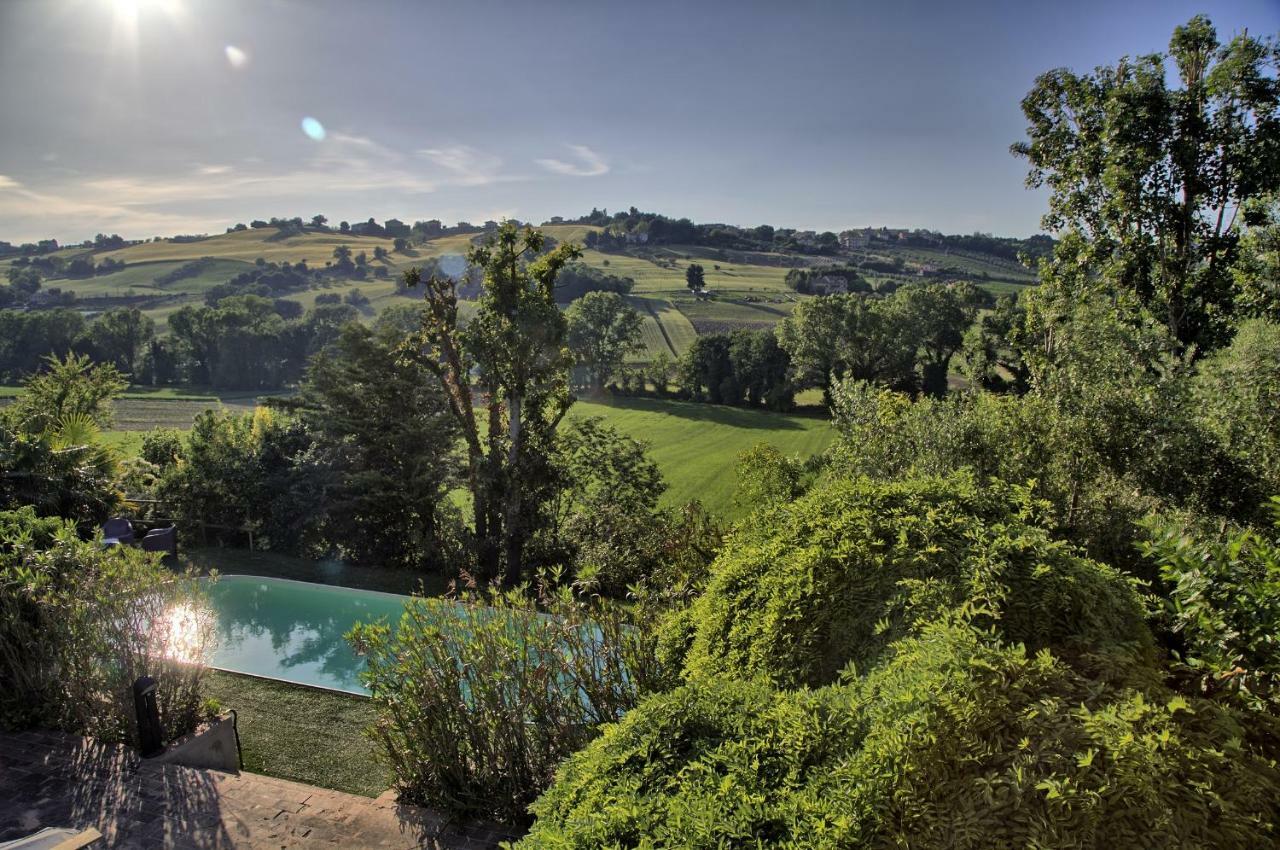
(212, 746)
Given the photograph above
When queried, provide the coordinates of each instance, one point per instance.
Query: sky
(157, 117)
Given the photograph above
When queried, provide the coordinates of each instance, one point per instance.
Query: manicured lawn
(697, 445)
(304, 734)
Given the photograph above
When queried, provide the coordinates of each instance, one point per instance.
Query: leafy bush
(236, 471)
(1100, 466)
(956, 741)
(79, 624)
(1223, 600)
(807, 588)
(1237, 392)
(479, 699)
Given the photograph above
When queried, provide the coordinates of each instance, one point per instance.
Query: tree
(1147, 181)
(662, 369)
(120, 336)
(383, 456)
(990, 352)
(848, 335)
(25, 280)
(695, 277)
(379, 253)
(71, 387)
(603, 330)
(936, 318)
(318, 221)
(706, 372)
(401, 244)
(515, 344)
(342, 253)
(344, 227)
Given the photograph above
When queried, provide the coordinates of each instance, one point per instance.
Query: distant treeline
(241, 342)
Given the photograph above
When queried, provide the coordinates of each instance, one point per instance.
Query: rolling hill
(748, 288)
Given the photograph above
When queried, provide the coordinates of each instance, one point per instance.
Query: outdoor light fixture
(150, 738)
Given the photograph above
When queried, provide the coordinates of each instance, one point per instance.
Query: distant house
(635, 237)
(852, 240)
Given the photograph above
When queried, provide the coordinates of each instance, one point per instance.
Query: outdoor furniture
(51, 838)
(117, 531)
(161, 540)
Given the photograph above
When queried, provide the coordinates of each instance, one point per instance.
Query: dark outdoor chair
(118, 529)
(161, 540)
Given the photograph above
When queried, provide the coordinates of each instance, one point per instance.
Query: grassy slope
(696, 445)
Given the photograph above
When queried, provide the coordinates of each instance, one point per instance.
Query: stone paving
(53, 779)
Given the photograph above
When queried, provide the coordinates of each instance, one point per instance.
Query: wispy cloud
(465, 165)
(589, 163)
(143, 203)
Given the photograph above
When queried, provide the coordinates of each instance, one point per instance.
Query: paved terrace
(53, 779)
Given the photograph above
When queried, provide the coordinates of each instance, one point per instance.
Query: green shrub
(1237, 392)
(957, 741)
(1223, 602)
(479, 700)
(79, 624)
(805, 589)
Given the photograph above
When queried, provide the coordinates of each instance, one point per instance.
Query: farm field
(650, 277)
(727, 311)
(666, 329)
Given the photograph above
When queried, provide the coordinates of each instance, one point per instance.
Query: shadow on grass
(717, 414)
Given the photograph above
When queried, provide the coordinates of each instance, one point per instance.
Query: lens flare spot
(313, 128)
(186, 633)
(235, 56)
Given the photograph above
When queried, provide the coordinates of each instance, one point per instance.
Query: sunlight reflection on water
(186, 633)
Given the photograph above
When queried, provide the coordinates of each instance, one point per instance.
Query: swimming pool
(293, 630)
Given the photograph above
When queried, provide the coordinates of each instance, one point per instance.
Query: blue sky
(154, 117)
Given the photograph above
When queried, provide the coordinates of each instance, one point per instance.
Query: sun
(128, 14)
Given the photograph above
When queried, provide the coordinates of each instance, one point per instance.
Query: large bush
(1223, 604)
(236, 474)
(957, 741)
(805, 589)
(1237, 392)
(79, 624)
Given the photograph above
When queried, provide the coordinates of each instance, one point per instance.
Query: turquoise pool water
(292, 630)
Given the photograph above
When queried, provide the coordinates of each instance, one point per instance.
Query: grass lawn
(697, 445)
(303, 734)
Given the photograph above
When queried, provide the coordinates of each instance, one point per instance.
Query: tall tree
(848, 335)
(695, 277)
(603, 330)
(1147, 181)
(514, 346)
(382, 446)
(120, 336)
(936, 318)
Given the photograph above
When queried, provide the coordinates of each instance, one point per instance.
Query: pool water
(293, 630)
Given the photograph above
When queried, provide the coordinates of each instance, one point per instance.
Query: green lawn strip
(302, 734)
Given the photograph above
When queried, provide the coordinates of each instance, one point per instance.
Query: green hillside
(746, 289)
